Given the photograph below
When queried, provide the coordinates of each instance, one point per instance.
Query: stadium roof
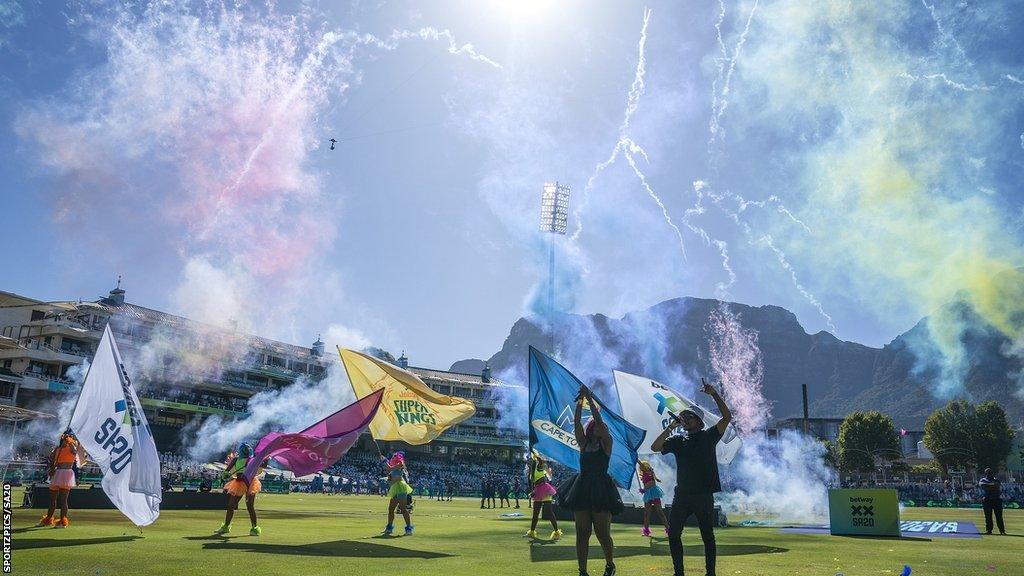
(12, 299)
(16, 414)
(137, 312)
(458, 377)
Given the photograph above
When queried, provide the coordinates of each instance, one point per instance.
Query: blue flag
(552, 408)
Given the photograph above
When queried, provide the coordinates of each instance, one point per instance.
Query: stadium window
(37, 315)
(6, 390)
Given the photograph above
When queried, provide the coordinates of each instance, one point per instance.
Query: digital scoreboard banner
(859, 511)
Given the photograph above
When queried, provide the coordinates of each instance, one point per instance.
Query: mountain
(669, 341)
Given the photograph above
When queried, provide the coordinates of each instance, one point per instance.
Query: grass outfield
(314, 534)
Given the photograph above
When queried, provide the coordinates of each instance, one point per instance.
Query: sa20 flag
(111, 427)
(647, 403)
(553, 392)
(409, 410)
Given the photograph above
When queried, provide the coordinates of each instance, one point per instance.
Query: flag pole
(356, 394)
(106, 329)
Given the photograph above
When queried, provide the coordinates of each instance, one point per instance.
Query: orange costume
(237, 486)
(62, 477)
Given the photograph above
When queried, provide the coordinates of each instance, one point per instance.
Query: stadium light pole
(554, 219)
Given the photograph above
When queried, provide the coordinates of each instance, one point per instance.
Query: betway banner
(871, 511)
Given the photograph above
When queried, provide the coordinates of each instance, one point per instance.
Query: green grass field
(320, 535)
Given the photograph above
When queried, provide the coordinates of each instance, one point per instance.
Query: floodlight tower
(554, 219)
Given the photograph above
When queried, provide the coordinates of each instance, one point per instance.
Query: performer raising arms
(591, 494)
(652, 496)
(399, 492)
(62, 461)
(697, 470)
(541, 494)
(238, 488)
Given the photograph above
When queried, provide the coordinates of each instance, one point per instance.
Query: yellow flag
(410, 410)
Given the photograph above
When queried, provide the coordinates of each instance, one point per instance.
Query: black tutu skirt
(592, 491)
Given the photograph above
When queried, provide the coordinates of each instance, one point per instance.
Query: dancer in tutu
(541, 494)
(237, 488)
(652, 496)
(591, 494)
(62, 461)
(399, 492)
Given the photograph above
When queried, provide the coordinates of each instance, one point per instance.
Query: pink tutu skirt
(543, 492)
(62, 479)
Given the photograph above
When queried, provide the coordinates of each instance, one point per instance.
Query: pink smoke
(736, 361)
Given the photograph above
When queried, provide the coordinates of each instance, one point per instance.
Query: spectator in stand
(992, 501)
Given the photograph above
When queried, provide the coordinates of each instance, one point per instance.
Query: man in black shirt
(697, 477)
(992, 501)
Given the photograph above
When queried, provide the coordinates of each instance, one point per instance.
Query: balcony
(38, 381)
(509, 439)
(187, 405)
(36, 349)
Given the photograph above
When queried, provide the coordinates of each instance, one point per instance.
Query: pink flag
(320, 445)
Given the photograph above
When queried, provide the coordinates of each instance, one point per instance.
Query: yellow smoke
(894, 171)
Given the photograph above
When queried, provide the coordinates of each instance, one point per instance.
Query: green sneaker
(224, 529)
(255, 531)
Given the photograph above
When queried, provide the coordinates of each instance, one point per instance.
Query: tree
(864, 436)
(961, 435)
(994, 439)
(830, 456)
(947, 434)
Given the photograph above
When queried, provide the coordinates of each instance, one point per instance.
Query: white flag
(112, 428)
(646, 404)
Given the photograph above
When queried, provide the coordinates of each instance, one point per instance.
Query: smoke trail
(944, 34)
(392, 42)
(779, 206)
(720, 101)
(736, 361)
(630, 150)
(636, 90)
(781, 257)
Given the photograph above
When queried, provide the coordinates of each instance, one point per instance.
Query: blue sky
(850, 161)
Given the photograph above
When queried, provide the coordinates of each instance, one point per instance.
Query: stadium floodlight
(554, 208)
(554, 220)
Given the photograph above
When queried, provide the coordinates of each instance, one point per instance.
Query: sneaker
(255, 531)
(224, 529)
(645, 531)
(388, 530)
(609, 570)
(62, 523)
(531, 534)
(409, 529)
(555, 534)
(45, 521)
